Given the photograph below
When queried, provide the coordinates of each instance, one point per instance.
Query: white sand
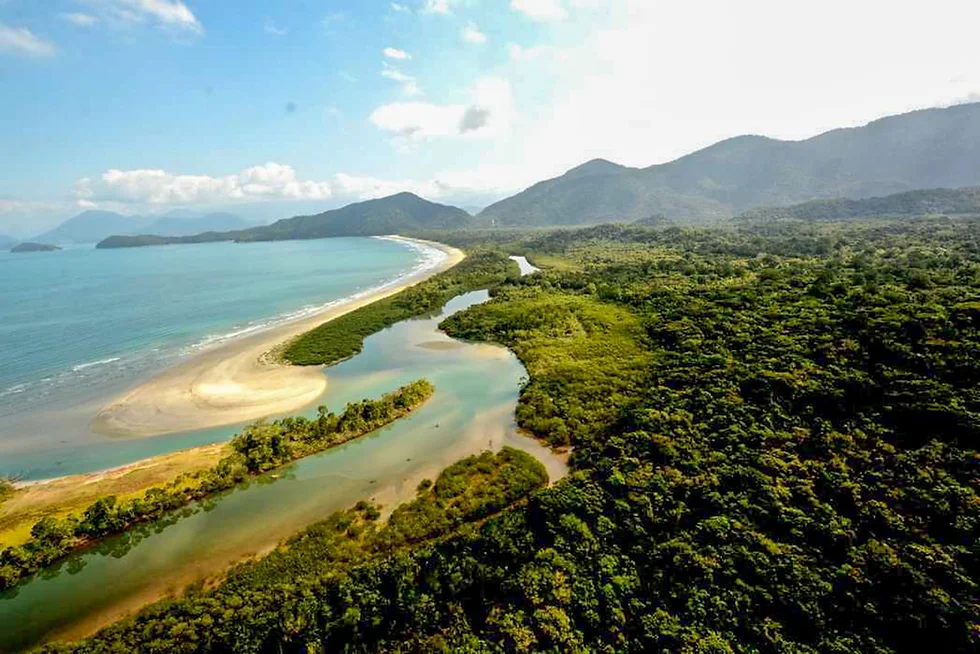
(236, 382)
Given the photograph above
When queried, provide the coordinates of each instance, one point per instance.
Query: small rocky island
(34, 247)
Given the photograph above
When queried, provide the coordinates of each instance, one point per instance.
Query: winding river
(472, 410)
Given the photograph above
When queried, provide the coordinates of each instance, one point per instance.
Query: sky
(271, 109)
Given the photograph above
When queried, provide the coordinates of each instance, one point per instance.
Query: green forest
(258, 448)
(775, 449)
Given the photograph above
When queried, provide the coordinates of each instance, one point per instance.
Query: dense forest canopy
(775, 436)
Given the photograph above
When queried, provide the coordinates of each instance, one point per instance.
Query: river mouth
(472, 410)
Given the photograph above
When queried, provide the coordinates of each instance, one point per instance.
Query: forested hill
(399, 213)
(929, 202)
(923, 149)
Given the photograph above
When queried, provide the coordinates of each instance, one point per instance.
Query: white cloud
(443, 185)
(79, 19)
(444, 7)
(540, 10)
(392, 73)
(488, 115)
(411, 88)
(399, 8)
(450, 185)
(418, 119)
(395, 53)
(169, 14)
(366, 188)
(536, 53)
(142, 190)
(270, 28)
(22, 41)
(472, 34)
(15, 206)
(409, 84)
(270, 181)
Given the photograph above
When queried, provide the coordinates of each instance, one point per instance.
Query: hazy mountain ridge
(173, 226)
(926, 202)
(93, 226)
(923, 149)
(404, 212)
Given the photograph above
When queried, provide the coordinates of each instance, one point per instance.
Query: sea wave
(14, 390)
(92, 364)
(90, 374)
(94, 373)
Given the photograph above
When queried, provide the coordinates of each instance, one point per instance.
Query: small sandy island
(236, 382)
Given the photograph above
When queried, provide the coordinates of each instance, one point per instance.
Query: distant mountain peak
(918, 150)
(94, 225)
(595, 167)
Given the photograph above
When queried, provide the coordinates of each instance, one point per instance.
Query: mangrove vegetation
(344, 336)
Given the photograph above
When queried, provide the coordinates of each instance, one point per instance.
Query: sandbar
(238, 381)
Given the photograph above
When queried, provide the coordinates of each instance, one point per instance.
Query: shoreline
(240, 380)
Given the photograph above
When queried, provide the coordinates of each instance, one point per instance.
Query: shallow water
(472, 410)
(81, 325)
(527, 268)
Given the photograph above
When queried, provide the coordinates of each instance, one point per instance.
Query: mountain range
(923, 149)
(931, 148)
(404, 212)
(94, 226)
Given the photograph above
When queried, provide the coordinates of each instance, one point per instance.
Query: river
(472, 410)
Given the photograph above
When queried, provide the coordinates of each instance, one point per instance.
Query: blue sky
(142, 106)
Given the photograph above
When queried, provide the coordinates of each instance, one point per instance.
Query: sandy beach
(236, 381)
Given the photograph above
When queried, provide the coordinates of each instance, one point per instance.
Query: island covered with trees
(21, 248)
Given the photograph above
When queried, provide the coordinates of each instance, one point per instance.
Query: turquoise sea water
(80, 325)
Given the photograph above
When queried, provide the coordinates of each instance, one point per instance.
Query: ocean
(81, 325)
